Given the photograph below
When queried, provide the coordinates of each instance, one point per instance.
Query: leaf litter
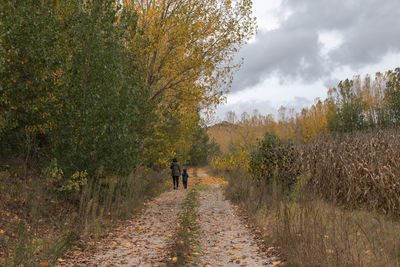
(225, 240)
(142, 242)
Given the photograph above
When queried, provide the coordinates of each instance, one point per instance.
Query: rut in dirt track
(225, 240)
(143, 242)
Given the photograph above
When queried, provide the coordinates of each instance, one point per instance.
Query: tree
(202, 148)
(347, 106)
(393, 97)
(28, 37)
(70, 89)
(187, 50)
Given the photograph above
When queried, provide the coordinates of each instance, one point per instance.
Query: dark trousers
(176, 181)
(184, 180)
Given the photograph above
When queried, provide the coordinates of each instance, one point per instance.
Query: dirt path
(225, 240)
(143, 242)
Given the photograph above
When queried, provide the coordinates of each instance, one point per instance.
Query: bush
(273, 161)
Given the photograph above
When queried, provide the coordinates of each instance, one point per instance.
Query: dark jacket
(175, 169)
(185, 175)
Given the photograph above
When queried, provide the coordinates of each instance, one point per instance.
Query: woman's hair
(175, 160)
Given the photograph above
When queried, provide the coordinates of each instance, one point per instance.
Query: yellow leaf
(128, 245)
(276, 262)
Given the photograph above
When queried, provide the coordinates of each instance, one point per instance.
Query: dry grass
(315, 233)
(358, 170)
(39, 226)
(185, 239)
(308, 231)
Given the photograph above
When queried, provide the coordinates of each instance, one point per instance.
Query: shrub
(274, 161)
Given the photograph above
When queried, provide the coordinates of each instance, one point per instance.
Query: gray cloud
(369, 27)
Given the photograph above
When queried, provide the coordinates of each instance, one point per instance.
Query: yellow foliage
(186, 49)
(233, 161)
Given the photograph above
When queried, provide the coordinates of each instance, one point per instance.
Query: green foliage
(96, 125)
(357, 105)
(29, 33)
(393, 97)
(70, 86)
(273, 161)
(202, 148)
(346, 110)
(57, 181)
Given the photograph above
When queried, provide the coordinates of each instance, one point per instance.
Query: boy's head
(184, 170)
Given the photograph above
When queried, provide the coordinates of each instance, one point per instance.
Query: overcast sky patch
(305, 46)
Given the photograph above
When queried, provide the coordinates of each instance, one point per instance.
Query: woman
(175, 172)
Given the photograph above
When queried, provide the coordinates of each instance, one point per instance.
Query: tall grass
(357, 170)
(40, 226)
(342, 210)
(312, 232)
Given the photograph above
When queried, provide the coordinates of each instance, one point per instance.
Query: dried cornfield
(358, 170)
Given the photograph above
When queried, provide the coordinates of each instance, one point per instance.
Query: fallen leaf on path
(128, 245)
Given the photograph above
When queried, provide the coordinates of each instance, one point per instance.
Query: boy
(185, 177)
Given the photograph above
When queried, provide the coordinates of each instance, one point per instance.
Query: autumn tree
(313, 121)
(187, 50)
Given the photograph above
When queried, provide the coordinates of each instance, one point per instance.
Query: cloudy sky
(303, 47)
